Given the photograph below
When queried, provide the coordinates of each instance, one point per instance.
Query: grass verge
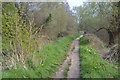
(92, 65)
(42, 64)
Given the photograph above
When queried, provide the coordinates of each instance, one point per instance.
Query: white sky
(73, 3)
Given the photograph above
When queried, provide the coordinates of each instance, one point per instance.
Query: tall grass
(44, 63)
(92, 65)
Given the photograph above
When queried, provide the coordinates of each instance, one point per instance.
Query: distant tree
(94, 16)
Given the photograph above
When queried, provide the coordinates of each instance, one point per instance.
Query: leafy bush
(17, 38)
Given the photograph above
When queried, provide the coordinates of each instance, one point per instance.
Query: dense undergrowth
(43, 64)
(92, 65)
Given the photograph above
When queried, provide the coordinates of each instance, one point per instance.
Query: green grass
(43, 64)
(92, 65)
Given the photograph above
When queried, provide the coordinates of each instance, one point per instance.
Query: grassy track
(43, 64)
(92, 65)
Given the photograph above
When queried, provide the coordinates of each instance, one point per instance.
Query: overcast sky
(73, 3)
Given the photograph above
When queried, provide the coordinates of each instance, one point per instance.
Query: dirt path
(61, 71)
(64, 66)
(72, 58)
(74, 69)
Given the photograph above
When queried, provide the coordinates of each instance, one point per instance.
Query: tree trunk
(111, 38)
(110, 33)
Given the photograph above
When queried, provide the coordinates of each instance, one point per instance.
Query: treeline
(26, 27)
(96, 16)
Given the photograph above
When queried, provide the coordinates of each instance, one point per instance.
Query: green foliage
(14, 32)
(9, 8)
(94, 15)
(92, 65)
(44, 63)
(56, 18)
(48, 19)
(84, 41)
(23, 34)
(17, 38)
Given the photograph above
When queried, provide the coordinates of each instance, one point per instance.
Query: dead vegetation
(110, 54)
(96, 43)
